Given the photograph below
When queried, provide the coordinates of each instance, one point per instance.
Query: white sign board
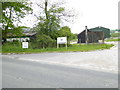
(24, 44)
(61, 40)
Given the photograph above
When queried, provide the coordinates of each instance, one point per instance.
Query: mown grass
(118, 39)
(72, 48)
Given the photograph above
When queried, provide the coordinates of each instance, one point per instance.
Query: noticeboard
(61, 40)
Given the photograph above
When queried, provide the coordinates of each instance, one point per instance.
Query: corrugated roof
(99, 28)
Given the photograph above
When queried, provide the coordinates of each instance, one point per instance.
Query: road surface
(27, 74)
(94, 69)
(99, 60)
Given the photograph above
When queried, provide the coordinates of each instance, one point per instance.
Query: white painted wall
(19, 39)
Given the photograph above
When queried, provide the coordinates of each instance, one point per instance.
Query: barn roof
(99, 28)
(91, 31)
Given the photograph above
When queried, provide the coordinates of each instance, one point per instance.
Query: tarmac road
(99, 60)
(26, 74)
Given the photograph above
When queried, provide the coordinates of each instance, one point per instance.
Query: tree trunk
(46, 13)
(6, 27)
(43, 46)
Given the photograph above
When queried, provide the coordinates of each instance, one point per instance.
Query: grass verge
(73, 48)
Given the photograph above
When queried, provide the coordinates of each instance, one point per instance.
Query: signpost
(61, 40)
(24, 44)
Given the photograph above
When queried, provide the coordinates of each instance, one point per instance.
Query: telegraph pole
(86, 34)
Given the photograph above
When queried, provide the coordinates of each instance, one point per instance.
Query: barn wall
(81, 37)
(19, 39)
(93, 37)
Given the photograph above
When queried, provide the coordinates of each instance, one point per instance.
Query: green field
(72, 48)
(115, 34)
(118, 39)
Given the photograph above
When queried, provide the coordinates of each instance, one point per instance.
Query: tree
(49, 24)
(73, 36)
(50, 19)
(44, 40)
(13, 12)
(65, 32)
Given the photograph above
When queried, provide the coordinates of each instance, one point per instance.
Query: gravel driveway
(100, 60)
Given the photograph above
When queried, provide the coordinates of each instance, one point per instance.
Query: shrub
(43, 41)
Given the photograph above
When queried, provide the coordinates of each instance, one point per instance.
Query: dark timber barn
(93, 35)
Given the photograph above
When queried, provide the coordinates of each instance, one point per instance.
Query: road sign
(61, 40)
(24, 44)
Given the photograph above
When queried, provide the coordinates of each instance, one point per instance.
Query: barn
(93, 35)
(105, 30)
(25, 37)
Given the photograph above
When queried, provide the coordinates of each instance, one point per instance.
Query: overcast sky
(91, 13)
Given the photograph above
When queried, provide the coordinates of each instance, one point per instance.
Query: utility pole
(86, 34)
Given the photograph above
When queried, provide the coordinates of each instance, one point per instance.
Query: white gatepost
(61, 40)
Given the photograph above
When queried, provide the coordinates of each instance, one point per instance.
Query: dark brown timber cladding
(93, 36)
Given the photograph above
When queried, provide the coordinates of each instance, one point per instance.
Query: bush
(43, 41)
